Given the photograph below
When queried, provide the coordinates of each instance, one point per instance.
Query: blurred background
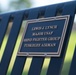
(14, 5)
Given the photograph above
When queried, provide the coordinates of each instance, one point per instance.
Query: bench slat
(73, 65)
(3, 26)
(11, 42)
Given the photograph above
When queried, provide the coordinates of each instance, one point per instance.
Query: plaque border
(46, 54)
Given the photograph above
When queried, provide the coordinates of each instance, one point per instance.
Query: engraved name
(44, 27)
(40, 45)
(39, 35)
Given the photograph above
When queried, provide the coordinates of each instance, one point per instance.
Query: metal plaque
(44, 37)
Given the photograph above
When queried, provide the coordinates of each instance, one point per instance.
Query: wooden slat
(20, 61)
(37, 62)
(11, 42)
(73, 65)
(56, 63)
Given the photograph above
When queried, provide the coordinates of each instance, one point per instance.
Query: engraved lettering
(44, 28)
(42, 33)
(48, 45)
(31, 45)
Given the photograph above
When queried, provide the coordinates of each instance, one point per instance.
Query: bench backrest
(10, 63)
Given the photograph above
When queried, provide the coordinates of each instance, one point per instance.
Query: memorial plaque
(44, 37)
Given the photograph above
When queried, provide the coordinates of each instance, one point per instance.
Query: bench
(11, 64)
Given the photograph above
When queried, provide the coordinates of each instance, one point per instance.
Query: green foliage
(16, 5)
(20, 4)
